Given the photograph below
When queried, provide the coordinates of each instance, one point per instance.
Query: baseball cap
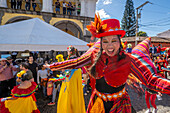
(1, 59)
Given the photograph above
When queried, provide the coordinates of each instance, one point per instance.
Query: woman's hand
(3, 99)
(7, 98)
(46, 66)
(159, 93)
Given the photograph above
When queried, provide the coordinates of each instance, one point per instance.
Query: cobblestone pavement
(138, 103)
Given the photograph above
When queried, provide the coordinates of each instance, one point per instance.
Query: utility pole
(137, 16)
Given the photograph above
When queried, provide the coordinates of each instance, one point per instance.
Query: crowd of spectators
(7, 80)
(10, 66)
(160, 57)
(67, 7)
(17, 4)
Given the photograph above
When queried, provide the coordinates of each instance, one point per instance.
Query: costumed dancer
(85, 80)
(24, 68)
(168, 53)
(92, 80)
(55, 81)
(71, 99)
(150, 94)
(110, 66)
(129, 48)
(158, 50)
(160, 66)
(23, 99)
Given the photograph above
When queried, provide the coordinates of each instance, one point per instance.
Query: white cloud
(97, 1)
(105, 2)
(102, 13)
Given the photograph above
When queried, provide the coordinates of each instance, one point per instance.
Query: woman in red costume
(150, 94)
(23, 99)
(110, 66)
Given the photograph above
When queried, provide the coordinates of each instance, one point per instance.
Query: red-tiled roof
(153, 39)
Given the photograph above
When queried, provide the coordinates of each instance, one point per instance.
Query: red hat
(107, 27)
(3, 59)
(159, 61)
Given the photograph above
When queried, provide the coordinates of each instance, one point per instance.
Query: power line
(165, 24)
(163, 19)
(161, 6)
(160, 20)
(155, 11)
(137, 16)
(151, 29)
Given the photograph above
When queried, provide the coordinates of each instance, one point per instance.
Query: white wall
(88, 8)
(3, 3)
(47, 6)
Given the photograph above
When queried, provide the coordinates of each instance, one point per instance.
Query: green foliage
(129, 20)
(142, 33)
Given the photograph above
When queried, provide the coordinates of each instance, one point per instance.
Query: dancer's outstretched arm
(143, 68)
(85, 59)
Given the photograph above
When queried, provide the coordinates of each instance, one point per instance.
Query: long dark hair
(27, 76)
(120, 56)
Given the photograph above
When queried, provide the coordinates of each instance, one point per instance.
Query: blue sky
(155, 18)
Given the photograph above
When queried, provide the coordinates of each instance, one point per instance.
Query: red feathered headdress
(107, 27)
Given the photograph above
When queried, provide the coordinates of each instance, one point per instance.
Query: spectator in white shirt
(43, 74)
(64, 8)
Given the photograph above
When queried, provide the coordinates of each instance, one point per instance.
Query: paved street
(137, 102)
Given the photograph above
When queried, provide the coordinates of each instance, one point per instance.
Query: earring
(120, 53)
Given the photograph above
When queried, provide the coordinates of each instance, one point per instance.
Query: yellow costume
(71, 99)
(17, 105)
(22, 101)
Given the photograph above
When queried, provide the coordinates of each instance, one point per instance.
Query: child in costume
(55, 82)
(160, 66)
(71, 98)
(150, 94)
(85, 80)
(23, 99)
(24, 68)
(110, 66)
(129, 48)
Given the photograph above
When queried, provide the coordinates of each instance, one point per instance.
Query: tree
(142, 33)
(129, 20)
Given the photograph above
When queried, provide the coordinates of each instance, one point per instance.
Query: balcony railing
(29, 7)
